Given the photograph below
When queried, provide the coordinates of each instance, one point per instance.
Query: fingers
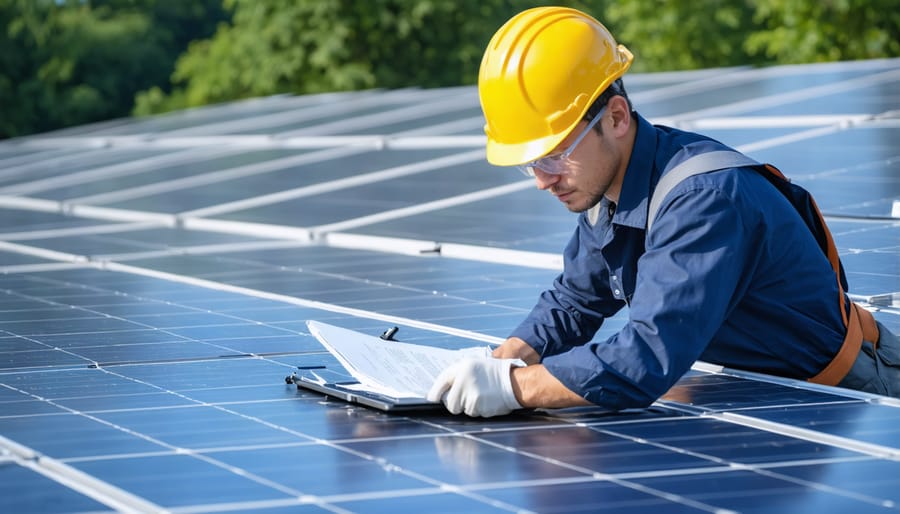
(464, 389)
(478, 387)
(441, 384)
(449, 386)
(455, 397)
(515, 348)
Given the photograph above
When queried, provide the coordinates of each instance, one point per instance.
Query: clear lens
(552, 164)
(559, 163)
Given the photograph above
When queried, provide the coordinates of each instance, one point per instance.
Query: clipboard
(339, 391)
(337, 383)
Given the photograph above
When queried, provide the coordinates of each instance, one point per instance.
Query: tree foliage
(799, 31)
(310, 46)
(683, 34)
(66, 62)
(686, 34)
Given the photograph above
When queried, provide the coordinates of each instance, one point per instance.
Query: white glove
(477, 386)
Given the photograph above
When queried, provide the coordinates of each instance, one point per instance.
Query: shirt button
(617, 293)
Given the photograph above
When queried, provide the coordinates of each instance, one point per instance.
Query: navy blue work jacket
(729, 274)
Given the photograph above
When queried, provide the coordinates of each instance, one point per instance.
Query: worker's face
(590, 171)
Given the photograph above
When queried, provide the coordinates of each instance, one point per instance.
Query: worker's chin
(578, 206)
(583, 202)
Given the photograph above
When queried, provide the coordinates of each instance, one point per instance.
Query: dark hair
(617, 88)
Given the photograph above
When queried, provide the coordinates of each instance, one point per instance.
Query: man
(724, 269)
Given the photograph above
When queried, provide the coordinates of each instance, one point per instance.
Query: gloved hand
(477, 386)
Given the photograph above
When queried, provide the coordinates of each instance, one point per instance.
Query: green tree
(310, 46)
(798, 31)
(683, 34)
(65, 62)
(68, 63)
(686, 34)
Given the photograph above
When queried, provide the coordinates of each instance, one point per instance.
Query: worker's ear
(618, 110)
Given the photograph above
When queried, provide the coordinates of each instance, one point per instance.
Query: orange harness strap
(860, 323)
(860, 327)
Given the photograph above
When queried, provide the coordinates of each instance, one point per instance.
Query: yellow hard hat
(539, 75)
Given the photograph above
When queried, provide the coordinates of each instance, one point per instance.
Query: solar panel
(156, 275)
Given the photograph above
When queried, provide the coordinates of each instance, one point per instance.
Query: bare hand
(515, 348)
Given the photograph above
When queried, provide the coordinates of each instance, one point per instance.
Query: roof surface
(156, 275)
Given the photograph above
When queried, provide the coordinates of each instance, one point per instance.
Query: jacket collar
(631, 210)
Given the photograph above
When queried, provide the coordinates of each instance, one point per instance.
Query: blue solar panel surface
(156, 275)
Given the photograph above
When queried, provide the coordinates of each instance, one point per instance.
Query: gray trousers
(877, 370)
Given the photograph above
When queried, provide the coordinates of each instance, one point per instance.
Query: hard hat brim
(501, 154)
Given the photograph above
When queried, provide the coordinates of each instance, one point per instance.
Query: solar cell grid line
(21, 224)
(354, 223)
(172, 120)
(780, 99)
(107, 228)
(589, 475)
(298, 113)
(775, 121)
(723, 451)
(717, 464)
(220, 176)
(794, 137)
(209, 350)
(228, 248)
(724, 79)
(405, 188)
(245, 473)
(65, 480)
(831, 71)
(422, 207)
(365, 178)
(449, 250)
(261, 481)
(413, 280)
(76, 167)
(442, 104)
(117, 170)
(32, 156)
(8, 150)
(404, 125)
(665, 78)
(94, 192)
(323, 304)
(205, 249)
(474, 124)
(178, 184)
(49, 162)
(670, 472)
(218, 286)
(504, 189)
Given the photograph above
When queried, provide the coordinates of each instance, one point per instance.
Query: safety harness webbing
(860, 324)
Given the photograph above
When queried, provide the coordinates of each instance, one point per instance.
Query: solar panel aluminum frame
(366, 398)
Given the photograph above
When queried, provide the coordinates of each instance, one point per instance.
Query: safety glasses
(558, 163)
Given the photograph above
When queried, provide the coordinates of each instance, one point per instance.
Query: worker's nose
(544, 180)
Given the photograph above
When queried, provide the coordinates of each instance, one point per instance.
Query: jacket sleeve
(698, 258)
(572, 311)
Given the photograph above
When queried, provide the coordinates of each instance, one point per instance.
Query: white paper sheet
(399, 370)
